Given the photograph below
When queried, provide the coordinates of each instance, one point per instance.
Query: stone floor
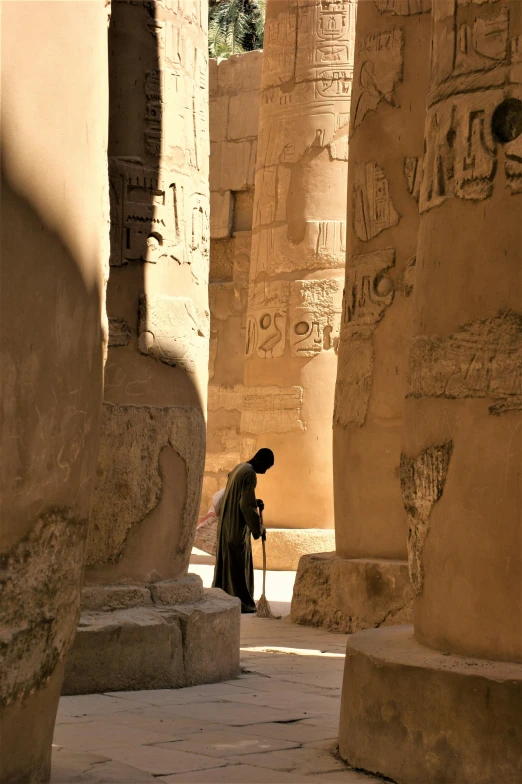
(276, 723)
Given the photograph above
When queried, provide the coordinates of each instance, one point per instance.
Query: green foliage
(235, 26)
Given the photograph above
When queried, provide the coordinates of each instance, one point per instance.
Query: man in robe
(239, 519)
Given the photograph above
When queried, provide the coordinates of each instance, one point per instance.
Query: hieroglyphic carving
(326, 240)
(473, 57)
(403, 7)
(266, 322)
(314, 316)
(483, 359)
(156, 214)
(422, 483)
(413, 175)
(172, 330)
(229, 398)
(379, 68)
(272, 409)
(372, 208)
(369, 290)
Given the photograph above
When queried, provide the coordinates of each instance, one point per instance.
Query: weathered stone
(126, 649)
(164, 646)
(53, 334)
(181, 591)
(438, 717)
(347, 595)
(107, 598)
(286, 546)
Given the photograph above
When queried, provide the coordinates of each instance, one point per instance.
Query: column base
(418, 715)
(165, 635)
(349, 594)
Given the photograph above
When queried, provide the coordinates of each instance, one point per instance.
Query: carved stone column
(152, 448)
(447, 694)
(298, 254)
(365, 583)
(54, 253)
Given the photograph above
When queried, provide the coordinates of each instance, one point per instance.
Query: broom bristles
(263, 609)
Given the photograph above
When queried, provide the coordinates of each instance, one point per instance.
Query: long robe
(234, 572)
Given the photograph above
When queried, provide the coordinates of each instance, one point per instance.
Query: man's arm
(248, 506)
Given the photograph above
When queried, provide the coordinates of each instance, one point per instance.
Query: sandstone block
(232, 166)
(106, 598)
(212, 77)
(347, 595)
(438, 717)
(218, 118)
(286, 546)
(186, 589)
(221, 214)
(243, 115)
(210, 637)
(125, 650)
(240, 72)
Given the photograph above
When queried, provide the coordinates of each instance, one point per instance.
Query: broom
(263, 607)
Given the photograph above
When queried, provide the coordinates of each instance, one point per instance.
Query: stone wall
(54, 254)
(234, 109)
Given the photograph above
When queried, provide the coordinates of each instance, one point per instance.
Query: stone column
(445, 698)
(152, 447)
(54, 254)
(298, 254)
(365, 583)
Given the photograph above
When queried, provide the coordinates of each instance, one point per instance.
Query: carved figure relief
(379, 68)
(272, 409)
(266, 321)
(413, 175)
(403, 7)
(483, 359)
(314, 316)
(326, 240)
(172, 330)
(372, 209)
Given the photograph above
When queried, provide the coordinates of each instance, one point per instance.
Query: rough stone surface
(53, 339)
(106, 598)
(347, 595)
(166, 646)
(438, 717)
(186, 589)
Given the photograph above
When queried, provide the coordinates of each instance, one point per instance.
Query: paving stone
(304, 761)
(223, 744)
(90, 704)
(313, 704)
(160, 761)
(301, 732)
(153, 720)
(238, 774)
(236, 714)
(70, 767)
(192, 694)
(95, 735)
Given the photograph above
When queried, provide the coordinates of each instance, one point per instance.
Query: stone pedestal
(164, 635)
(419, 715)
(439, 717)
(346, 595)
(298, 255)
(54, 258)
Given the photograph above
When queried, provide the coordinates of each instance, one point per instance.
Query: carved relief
(156, 215)
(372, 208)
(422, 483)
(369, 290)
(354, 380)
(413, 175)
(266, 322)
(314, 316)
(172, 330)
(403, 7)
(379, 68)
(483, 359)
(272, 409)
(229, 398)
(119, 332)
(326, 240)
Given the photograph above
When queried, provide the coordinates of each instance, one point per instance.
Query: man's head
(262, 461)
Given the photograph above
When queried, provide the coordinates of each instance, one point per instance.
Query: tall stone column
(144, 621)
(54, 262)
(365, 583)
(298, 254)
(445, 697)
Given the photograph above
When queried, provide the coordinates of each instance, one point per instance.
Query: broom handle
(264, 554)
